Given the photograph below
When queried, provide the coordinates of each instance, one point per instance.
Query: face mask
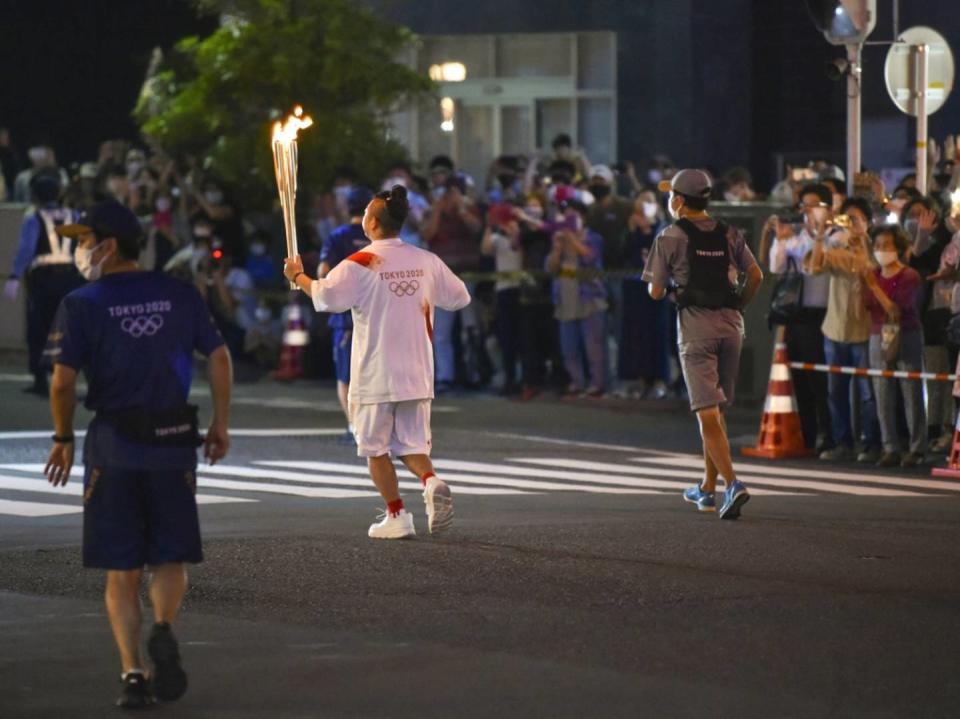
(258, 249)
(342, 192)
(263, 314)
(674, 212)
(654, 176)
(82, 259)
(214, 197)
(535, 211)
(886, 258)
(600, 191)
(133, 168)
(438, 192)
(912, 227)
(650, 210)
(506, 181)
(163, 204)
(37, 155)
(731, 197)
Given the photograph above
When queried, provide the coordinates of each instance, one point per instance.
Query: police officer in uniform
(134, 335)
(703, 259)
(45, 261)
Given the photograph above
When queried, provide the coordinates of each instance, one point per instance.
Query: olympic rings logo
(404, 288)
(144, 325)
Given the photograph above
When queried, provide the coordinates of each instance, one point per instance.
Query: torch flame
(286, 131)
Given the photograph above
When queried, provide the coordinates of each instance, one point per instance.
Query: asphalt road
(576, 583)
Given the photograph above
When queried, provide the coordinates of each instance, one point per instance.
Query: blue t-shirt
(133, 334)
(339, 245)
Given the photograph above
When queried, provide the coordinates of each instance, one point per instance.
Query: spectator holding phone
(790, 251)
(580, 303)
(892, 293)
(501, 239)
(843, 254)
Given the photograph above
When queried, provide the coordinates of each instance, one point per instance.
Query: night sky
(72, 69)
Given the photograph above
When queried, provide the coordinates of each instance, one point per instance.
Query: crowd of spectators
(566, 311)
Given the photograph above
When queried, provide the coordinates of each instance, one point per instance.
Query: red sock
(426, 477)
(395, 507)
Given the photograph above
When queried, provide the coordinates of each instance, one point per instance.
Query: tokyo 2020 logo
(142, 326)
(404, 288)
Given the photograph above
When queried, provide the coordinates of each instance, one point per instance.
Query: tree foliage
(216, 97)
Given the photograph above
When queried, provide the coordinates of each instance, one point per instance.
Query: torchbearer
(392, 289)
(703, 258)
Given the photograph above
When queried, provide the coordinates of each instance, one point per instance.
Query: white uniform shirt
(392, 289)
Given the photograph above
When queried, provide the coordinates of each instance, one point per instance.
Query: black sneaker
(136, 692)
(169, 679)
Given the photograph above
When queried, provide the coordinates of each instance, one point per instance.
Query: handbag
(890, 344)
(787, 300)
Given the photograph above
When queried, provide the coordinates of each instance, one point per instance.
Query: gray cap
(693, 183)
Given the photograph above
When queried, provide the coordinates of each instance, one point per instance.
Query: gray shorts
(710, 370)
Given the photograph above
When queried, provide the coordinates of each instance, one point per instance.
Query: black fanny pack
(176, 427)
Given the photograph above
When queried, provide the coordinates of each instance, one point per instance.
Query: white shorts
(397, 428)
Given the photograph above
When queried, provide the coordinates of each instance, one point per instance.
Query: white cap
(603, 172)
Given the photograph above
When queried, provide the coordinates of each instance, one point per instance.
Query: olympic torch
(285, 167)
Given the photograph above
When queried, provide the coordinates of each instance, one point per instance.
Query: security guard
(45, 261)
(704, 258)
(133, 334)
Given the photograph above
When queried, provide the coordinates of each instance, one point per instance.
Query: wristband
(66, 439)
(294, 280)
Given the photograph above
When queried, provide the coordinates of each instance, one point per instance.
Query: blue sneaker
(704, 500)
(733, 499)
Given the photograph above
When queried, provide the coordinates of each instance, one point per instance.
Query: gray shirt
(668, 261)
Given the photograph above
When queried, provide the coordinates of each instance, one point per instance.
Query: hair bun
(398, 193)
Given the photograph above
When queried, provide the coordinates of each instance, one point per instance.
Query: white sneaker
(439, 503)
(399, 526)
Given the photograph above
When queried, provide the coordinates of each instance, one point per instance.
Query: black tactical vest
(708, 254)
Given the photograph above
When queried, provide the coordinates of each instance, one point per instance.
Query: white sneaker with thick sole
(398, 526)
(439, 503)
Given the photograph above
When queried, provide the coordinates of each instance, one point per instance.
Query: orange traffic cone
(780, 432)
(295, 338)
(952, 470)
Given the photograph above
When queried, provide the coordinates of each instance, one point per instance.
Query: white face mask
(214, 197)
(674, 213)
(650, 210)
(82, 259)
(535, 211)
(263, 314)
(886, 258)
(163, 204)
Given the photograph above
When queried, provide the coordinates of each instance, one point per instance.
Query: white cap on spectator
(603, 172)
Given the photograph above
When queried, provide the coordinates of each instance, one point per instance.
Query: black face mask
(506, 181)
(599, 191)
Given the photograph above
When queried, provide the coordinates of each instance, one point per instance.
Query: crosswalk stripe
(75, 489)
(688, 460)
(494, 481)
(753, 479)
(257, 472)
(36, 509)
(592, 478)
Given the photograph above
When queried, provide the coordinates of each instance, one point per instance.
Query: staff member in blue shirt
(339, 245)
(133, 334)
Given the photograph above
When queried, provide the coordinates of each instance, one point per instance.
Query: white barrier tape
(862, 372)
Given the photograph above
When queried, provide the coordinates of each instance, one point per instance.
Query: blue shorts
(342, 340)
(133, 518)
